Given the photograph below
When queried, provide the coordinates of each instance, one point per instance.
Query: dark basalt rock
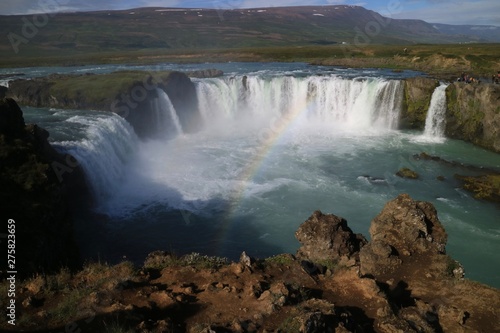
(404, 227)
(327, 237)
(206, 73)
(11, 119)
(36, 194)
(130, 94)
(407, 173)
(182, 93)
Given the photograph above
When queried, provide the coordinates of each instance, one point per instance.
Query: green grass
(195, 260)
(328, 264)
(69, 306)
(116, 326)
(101, 87)
(280, 259)
(291, 324)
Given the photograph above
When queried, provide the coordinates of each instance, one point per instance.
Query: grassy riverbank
(480, 60)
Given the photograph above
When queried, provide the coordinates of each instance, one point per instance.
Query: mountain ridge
(192, 28)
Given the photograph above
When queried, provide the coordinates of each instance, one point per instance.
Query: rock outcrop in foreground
(400, 281)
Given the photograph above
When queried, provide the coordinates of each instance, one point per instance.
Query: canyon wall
(416, 102)
(130, 94)
(473, 114)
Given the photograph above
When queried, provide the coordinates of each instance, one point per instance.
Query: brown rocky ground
(400, 281)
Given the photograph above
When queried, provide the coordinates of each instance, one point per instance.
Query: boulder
(403, 228)
(407, 173)
(409, 226)
(327, 237)
(378, 257)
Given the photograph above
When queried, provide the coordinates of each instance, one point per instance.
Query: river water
(278, 141)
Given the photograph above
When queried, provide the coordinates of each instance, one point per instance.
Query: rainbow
(268, 139)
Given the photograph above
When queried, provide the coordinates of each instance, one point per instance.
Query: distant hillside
(187, 29)
(490, 33)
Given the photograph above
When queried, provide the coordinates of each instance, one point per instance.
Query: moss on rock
(485, 187)
(473, 114)
(407, 173)
(418, 93)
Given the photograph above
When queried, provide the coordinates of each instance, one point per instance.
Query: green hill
(185, 29)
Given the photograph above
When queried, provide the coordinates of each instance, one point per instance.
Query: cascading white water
(109, 143)
(436, 115)
(166, 119)
(355, 104)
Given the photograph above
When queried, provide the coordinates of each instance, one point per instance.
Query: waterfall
(436, 115)
(165, 115)
(356, 104)
(108, 144)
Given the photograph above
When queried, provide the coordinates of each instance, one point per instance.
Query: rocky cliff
(418, 93)
(35, 184)
(400, 281)
(473, 114)
(130, 94)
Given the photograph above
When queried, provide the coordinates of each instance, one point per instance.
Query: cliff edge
(473, 114)
(36, 183)
(134, 95)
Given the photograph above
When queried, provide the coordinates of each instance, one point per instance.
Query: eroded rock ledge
(400, 281)
(130, 94)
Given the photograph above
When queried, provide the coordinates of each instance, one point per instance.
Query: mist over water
(273, 148)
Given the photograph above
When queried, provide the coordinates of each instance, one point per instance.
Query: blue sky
(433, 11)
